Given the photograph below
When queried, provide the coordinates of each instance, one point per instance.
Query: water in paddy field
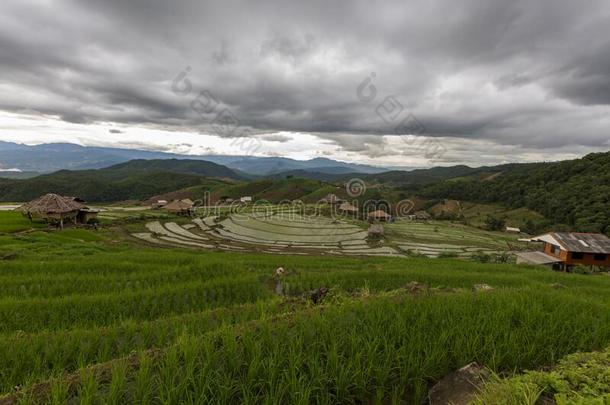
(9, 207)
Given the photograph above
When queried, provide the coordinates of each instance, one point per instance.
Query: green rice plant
(88, 388)
(118, 383)
(40, 354)
(376, 350)
(144, 385)
(59, 391)
(105, 309)
(12, 221)
(207, 327)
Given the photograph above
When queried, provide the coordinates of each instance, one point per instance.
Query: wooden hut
(180, 207)
(331, 199)
(86, 215)
(348, 208)
(159, 204)
(375, 231)
(379, 215)
(421, 216)
(58, 209)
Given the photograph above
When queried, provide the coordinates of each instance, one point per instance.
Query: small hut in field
(348, 208)
(375, 231)
(379, 215)
(58, 209)
(421, 216)
(331, 199)
(159, 204)
(180, 207)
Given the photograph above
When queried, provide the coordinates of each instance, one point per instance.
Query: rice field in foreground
(94, 317)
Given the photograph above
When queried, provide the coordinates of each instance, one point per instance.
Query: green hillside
(135, 180)
(575, 192)
(273, 190)
(183, 166)
(425, 176)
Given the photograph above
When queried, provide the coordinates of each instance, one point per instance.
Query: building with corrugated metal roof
(569, 249)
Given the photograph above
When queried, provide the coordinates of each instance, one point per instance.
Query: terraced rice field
(283, 231)
(88, 318)
(276, 232)
(436, 238)
(97, 322)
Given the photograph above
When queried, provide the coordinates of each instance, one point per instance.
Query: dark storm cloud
(531, 74)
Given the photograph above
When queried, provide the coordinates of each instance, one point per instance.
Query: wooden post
(61, 222)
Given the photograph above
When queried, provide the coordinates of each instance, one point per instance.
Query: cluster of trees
(494, 223)
(575, 193)
(94, 188)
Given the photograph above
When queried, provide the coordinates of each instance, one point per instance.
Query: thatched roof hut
(375, 230)
(180, 207)
(379, 215)
(331, 199)
(53, 207)
(348, 208)
(51, 204)
(421, 215)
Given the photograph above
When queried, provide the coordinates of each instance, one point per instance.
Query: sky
(388, 83)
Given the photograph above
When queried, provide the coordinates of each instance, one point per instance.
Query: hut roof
(379, 214)
(52, 204)
(376, 229)
(537, 258)
(423, 214)
(331, 199)
(179, 205)
(577, 242)
(348, 207)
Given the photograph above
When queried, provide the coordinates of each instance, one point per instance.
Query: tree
(494, 223)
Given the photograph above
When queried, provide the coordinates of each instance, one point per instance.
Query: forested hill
(572, 192)
(183, 166)
(137, 179)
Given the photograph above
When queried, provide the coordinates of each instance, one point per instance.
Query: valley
(251, 278)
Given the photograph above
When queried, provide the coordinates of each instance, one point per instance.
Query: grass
(476, 214)
(11, 222)
(580, 378)
(95, 317)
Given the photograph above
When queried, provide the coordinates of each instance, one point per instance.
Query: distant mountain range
(46, 158)
(574, 194)
(134, 180)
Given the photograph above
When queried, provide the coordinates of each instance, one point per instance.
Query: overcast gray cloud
(531, 75)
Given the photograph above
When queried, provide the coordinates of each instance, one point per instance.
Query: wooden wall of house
(567, 257)
(588, 260)
(560, 254)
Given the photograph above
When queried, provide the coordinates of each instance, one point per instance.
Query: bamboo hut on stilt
(57, 209)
